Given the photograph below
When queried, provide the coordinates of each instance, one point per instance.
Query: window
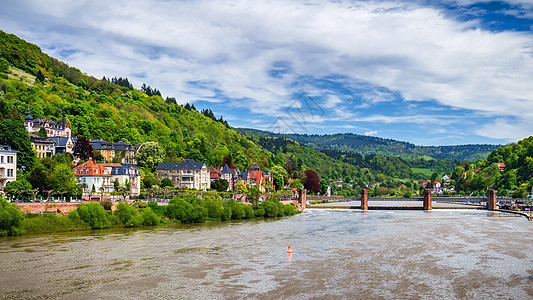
(10, 159)
(75, 171)
(96, 171)
(87, 171)
(2, 159)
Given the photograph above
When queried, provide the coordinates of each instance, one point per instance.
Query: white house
(8, 165)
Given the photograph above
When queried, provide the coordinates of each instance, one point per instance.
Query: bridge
(490, 202)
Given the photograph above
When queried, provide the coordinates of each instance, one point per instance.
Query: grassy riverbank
(92, 215)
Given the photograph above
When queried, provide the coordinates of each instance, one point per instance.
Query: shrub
(185, 212)
(108, 205)
(128, 215)
(93, 214)
(10, 219)
(149, 217)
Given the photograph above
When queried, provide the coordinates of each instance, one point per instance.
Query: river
(338, 254)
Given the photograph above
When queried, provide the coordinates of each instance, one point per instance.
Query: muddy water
(337, 254)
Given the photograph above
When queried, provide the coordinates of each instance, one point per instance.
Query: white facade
(8, 165)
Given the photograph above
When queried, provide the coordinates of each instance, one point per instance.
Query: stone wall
(59, 207)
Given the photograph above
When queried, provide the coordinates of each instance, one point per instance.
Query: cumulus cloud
(260, 55)
(369, 133)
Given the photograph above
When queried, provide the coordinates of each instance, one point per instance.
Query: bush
(259, 211)
(93, 214)
(50, 222)
(237, 211)
(10, 219)
(149, 217)
(185, 212)
(108, 205)
(128, 215)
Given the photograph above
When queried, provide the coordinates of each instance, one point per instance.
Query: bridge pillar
(427, 199)
(302, 198)
(491, 199)
(364, 199)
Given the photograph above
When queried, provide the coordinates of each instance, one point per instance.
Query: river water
(338, 254)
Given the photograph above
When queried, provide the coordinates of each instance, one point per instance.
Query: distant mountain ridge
(350, 142)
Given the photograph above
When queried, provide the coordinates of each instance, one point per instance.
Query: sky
(442, 72)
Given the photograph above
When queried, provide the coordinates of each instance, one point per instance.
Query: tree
(240, 188)
(62, 180)
(296, 183)
(149, 155)
(253, 195)
(40, 76)
(220, 185)
(10, 219)
(128, 215)
(166, 182)
(280, 176)
(4, 65)
(82, 149)
(323, 186)
(93, 214)
(312, 183)
(13, 134)
(17, 187)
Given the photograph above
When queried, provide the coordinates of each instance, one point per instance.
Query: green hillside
(113, 110)
(349, 142)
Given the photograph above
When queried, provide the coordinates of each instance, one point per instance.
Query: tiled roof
(188, 164)
(90, 168)
(101, 145)
(60, 141)
(120, 146)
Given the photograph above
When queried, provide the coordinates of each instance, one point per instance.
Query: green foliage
(14, 134)
(149, 217)
(19, 187)
(10, 219)
(220, 185)
(51, 222)
(93, 214)
(166, 182)
(128, 215)
(365, 145)
(149, 155)
(180, 209)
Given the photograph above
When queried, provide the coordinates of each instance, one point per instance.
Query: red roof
(214, 173)
(91, 168)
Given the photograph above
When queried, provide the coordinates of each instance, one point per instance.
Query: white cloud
(369, 133)
(230, 46)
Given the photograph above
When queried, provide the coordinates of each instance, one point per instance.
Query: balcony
(190, 174)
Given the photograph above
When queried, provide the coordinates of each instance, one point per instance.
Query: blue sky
(428, 72)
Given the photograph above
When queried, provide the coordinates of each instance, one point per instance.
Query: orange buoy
(289, 251)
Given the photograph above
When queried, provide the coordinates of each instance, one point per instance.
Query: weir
(490, 202)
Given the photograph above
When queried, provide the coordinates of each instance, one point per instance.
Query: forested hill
(349, 142)
(112, 109)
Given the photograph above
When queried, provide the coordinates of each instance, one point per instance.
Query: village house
(95, 180)
(253, 178)
(62, 144)
(109, 151)
(52, 128)
(188, 174)
(8, 165)
(41, 146)
(123, 173)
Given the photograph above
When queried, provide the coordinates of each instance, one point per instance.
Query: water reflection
(344, 254)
